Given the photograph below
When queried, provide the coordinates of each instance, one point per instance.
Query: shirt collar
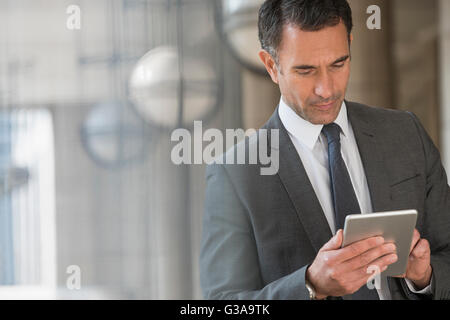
(303, 130)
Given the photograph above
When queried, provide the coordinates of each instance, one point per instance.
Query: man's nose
(324, 86)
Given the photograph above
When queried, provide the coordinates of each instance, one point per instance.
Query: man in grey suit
(279, 236)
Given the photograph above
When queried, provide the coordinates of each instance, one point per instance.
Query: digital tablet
(394, 226)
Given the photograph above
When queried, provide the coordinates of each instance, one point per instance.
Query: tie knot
(332, 131)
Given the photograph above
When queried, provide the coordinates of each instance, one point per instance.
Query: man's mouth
(325, 107)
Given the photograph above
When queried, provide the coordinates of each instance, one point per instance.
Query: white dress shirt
(312, 147)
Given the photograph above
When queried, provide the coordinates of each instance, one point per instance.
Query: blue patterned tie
(344, 197)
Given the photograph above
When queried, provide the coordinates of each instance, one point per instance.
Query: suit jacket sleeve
(229, 266)
(436, 227)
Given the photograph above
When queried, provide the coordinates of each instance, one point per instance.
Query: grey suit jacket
(260, 233)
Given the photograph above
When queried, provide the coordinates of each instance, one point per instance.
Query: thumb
(335, 242)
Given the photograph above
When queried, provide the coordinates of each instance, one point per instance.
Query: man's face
(313, 71)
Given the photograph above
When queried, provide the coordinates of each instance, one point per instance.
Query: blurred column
(415, 57)
(444, 9)
(370, 80)
(260, 97)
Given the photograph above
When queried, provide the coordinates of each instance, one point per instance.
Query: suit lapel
(298, 186)
(371, 157)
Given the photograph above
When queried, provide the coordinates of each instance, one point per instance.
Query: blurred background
(91, 205)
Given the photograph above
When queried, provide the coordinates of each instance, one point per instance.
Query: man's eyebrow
(303, 67)
(341, 59)
(308, 67)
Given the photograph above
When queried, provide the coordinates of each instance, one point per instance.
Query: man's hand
(337, 272)
(419, 269)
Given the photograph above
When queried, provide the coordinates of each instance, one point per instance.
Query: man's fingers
(421, 249)
(415, 240)
(334, 243)
(379, 265)
(358, 248)
(368, 257)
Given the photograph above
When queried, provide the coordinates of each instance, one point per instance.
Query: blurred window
(27, 198)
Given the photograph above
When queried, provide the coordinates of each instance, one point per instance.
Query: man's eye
(339, 65)
(303, 73)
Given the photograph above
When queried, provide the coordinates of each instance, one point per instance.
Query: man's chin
(317, 116)
(323, 120)
(320, 117)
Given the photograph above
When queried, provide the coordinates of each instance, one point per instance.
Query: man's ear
(270, 64)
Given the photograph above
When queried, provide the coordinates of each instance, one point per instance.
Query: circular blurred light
(113, 135)
(240, 27)
(159, 87)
